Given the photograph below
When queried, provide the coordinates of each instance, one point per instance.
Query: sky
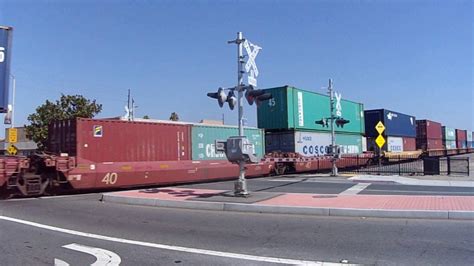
(414, 57)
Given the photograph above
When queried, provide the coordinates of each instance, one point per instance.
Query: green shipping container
(204, 137)
(292, 108)
(448, 133)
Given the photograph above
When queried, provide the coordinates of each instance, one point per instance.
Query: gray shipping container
(310, 143)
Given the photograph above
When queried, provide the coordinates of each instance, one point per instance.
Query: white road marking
(104, 257)
(354, 190)
(169, 247)
(25, 199)
(305, 180)
(58, 262)
(63, 196)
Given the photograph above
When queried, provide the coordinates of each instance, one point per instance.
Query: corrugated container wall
(121, 141)
(409, 144)
(393, 144)
(461, 139)
(428, 129)
(429, 135)
(429, 144)
(311, 143)
(448, 133)
(396, 124)
(472, 140)
(449, 144)
(296, 109)
(204, 137)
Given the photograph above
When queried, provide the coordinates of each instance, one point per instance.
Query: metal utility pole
(240, 187)
(12, 125)
(333, 133)
(132, 114)
(128, 105)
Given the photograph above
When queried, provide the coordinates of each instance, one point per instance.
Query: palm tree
(174, 117)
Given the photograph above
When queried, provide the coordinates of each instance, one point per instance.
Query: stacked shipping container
(400, 130)
(429, 135)
(470, 143)
(461, 139)
(449, 138)
(309, 143)
(289, 120)
(120, 141)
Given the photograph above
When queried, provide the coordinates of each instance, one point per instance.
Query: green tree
(174, 117)
(67, 107)
(146, 117)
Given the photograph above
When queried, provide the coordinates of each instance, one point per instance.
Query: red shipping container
(426, 129)
(120, 141)
(429, 144)
(461, 135)
(409, 144)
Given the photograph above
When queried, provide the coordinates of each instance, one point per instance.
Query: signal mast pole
(240, 187)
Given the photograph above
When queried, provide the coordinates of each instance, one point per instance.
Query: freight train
(85, 154)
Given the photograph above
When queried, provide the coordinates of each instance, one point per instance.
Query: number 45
(2, 54)
(271, 102)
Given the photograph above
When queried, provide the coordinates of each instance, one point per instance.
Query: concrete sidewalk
(394, 206)
(445, 182)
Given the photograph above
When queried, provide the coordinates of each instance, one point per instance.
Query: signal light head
(323, 122)
(232, 100)
(340, 122)
(219, 95)
(263, 97)
(253, 95)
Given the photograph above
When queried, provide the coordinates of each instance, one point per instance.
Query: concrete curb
(242, 207)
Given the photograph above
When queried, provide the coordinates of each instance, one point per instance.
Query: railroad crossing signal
(12, 135)
(380, 140)
(380, 127)
(12, 150)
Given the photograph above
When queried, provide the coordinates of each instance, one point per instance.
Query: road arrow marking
(104, 257)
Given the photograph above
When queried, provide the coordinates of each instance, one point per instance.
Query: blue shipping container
(396, 124)
(5, 54)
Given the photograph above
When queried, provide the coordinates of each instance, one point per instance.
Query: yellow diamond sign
(380, 127)
(380, 141)
(12, 150)
(12, 135)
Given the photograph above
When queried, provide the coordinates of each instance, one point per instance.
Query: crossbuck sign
(250, 66)
(338, 97)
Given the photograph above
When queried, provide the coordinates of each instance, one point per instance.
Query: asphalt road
(330, 239)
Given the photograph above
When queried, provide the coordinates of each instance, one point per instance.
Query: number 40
(110, 178)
